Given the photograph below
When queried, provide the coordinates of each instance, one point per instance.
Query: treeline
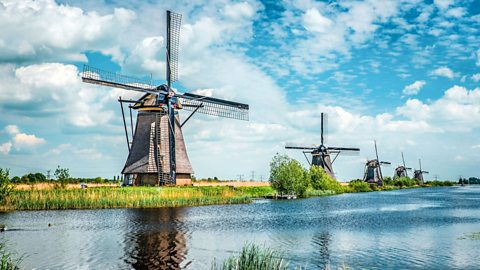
(469, 181)
(288, 176)
(60, 175)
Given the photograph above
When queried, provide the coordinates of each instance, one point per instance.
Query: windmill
(373, 169)
(401, 171)
(157, 153)
(418, 174)
(321, 153)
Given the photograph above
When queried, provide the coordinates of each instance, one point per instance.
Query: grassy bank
(129, 197)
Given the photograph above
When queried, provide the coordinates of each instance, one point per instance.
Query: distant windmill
(157, 154)
(321, 153)
(401, 171)
(418, 174)
(373, 169)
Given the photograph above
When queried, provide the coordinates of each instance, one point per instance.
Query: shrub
(320, 180)
(405, 182)
(5, 186)
(359, 186)
(288, 176)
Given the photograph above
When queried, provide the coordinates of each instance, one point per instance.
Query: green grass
(6, 260)
(129, 197)
(253, 257)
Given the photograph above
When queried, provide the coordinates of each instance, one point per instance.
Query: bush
(359, 186)
(405, 182)
(288, 176)
(320, 180)
(6, 187)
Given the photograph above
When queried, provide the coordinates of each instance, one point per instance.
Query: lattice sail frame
(174, 21)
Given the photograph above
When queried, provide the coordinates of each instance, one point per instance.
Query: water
(407, 229)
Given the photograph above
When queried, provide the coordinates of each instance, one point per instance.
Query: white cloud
(414, 88)
(476, 77)
(456, 12)
(477, 146)
(23, 141)
(47, 30)
(443, 4)
(314, 21)
(19, 140)
(5, 148)
(56, 88)
(443, 72)
(12, 129)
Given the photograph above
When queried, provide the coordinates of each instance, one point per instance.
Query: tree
(5, 186)
(62, 175)
(320, 180)
(288, 176)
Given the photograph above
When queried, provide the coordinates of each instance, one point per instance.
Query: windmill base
(151, 179)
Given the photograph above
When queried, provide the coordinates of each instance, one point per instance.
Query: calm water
(407, 229)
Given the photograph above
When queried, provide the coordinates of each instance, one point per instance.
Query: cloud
(12, 129)
(456, 12)
(314, 21)
(414, 88)
(443, 4)
(65, 30)
(443, 72)
(478, 58)
(5, 148)
(476, 77)
(457, 110)
(20, 141)
(57, 89)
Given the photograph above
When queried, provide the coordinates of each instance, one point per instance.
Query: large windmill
(321, 153)
(157, 153)
(373, 169)
(401, 171)
(418, 174)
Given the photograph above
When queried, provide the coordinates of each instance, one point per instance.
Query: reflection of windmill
(157, 154)
(401, 171)
(418, 174)
(321, 153)
(373, 169)
(157, 239)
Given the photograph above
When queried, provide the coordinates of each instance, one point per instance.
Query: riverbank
(129, 197)
(155, 197)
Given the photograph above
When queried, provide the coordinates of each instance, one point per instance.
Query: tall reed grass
(128, 197)
(253, 257)
(6, 260)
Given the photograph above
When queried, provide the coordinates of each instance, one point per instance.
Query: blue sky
(405, 73)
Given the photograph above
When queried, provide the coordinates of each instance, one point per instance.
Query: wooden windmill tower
(157, 154)
(321, 154)
(418, 174)
(401, 171)
(373, 169)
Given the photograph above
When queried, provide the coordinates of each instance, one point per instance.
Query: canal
(424, 228)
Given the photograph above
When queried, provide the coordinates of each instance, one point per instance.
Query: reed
(253, 257)
(6, 260)
(128, 197)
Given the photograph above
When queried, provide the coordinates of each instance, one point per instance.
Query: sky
(403, 73)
